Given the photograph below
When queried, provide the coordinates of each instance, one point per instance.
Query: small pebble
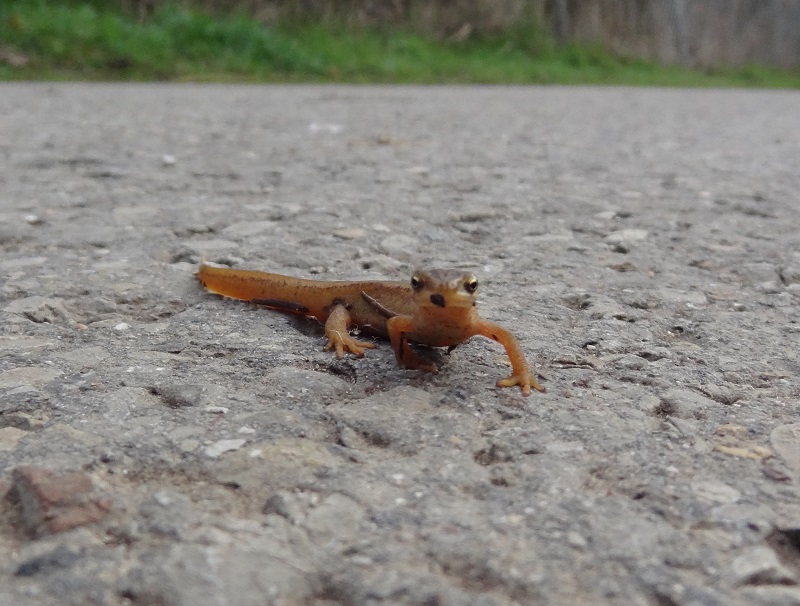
(222, 446)
(349, 234)
(576, 540)
(322, 127)
(219, 410)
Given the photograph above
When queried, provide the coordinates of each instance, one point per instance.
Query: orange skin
(437, 308)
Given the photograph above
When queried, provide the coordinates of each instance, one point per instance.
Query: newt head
(444, 289)
(445, 313)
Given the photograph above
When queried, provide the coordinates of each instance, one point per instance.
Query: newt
(437, 308)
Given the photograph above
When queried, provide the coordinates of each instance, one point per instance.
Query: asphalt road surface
(160, 445)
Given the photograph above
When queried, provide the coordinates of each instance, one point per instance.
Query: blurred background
(678, 42)
(691, 32)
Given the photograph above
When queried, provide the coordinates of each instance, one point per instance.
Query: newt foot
(525, 382)
(343, 342)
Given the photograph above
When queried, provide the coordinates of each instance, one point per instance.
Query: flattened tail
(213, 278)
(235, 283)
(262, 288)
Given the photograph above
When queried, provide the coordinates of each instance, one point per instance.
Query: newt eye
(416, 283)
(471, 285)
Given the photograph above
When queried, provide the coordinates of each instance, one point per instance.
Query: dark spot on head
(437, 300)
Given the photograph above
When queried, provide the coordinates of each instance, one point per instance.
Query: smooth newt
(436, 308)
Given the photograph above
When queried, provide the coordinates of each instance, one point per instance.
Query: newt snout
(437, 300)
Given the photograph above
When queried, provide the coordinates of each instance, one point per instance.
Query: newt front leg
(339, 339)
(520, 372)
(399, 328)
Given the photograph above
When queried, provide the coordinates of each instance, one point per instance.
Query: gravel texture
(163, 446)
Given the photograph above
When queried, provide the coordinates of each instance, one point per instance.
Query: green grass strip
(89, 41)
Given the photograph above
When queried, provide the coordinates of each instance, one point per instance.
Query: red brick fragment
(54, 503)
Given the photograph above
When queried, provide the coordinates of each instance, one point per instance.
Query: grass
(87, 40)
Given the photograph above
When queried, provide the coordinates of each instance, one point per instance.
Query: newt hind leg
(339, 339)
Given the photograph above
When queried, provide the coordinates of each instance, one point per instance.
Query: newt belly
(437, 308)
